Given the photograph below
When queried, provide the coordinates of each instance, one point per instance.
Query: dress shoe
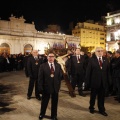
(113, 93)
(38, 98)
(103, 113)
(92, 111)
(82, 94)
(119, 100)
(41, 117)
(106, 95)
(54, 118)
(28, 97)
(116, 99)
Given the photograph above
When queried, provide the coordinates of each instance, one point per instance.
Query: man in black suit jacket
(97, 76)
(49, 80)
(33, 65)
(25, 61)
(77, 70)
(116, 74)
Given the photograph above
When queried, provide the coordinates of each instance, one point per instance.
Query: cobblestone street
(15, 106)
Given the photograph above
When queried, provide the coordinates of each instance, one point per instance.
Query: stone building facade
(113, 30)
(16, 37)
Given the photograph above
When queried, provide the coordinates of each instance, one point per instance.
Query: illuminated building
(91, 35)
(16, 36)
(113, 30)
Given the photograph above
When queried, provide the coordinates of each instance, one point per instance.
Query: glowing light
(66, 45)
(48, 46)
(117, 20)
(117, 35)
(116, 46)
(108, 38)
(42, 47)
(109, 22)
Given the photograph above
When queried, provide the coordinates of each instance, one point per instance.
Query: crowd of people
(11, 62)
(99, 71)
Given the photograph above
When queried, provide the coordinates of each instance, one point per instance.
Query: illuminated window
(101, 38)
(117, 20)
(109, 22)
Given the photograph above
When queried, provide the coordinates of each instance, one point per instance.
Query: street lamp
(66, 45)
(48, 46)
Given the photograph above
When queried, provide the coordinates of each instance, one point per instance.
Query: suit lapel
(75, 58)
(56, 68)
(48, 67)
(103, 63)
(97, 62)
(33, 59)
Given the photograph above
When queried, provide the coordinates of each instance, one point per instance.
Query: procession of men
(98, 71)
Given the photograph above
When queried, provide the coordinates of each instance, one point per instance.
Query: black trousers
(118, 87)
(77, 80)
(45, 101)
(26, 71)
(33, 82)
(100, 94)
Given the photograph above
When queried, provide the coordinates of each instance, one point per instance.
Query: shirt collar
(50, 63)
(99, 57)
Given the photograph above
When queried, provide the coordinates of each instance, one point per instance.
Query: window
(101, 38)
(101, 33)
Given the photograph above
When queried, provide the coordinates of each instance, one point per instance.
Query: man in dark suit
(49, 80)
(116, 68)
(33, 65)
(25, 61)
(7, 62)
(77, 70)
(97, 76)
(112, 87)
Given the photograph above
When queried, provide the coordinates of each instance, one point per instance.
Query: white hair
(98, 48)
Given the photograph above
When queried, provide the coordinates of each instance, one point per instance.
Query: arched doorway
(28, 48)
(4, 48)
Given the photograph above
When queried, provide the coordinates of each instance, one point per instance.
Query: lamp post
(66, 45)
(48, 46)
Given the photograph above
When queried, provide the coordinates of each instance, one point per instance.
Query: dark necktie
(51, 68)
(78, 58)
(100, 62)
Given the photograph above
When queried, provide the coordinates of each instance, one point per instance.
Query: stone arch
(28, 48)
(5, 48)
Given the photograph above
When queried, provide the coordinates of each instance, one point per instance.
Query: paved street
(15, 106)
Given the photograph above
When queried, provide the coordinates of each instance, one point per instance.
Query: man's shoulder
(92, 58)
(56, 63)
(30, 57)
(73, 56)
(43, 64)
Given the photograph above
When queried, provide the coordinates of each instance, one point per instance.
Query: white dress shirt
(100, 57)
(52, 64)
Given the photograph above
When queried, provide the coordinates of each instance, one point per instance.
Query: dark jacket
(77, 68)
(45, 82)
(116, 68)
(95, 75)
(33, 67)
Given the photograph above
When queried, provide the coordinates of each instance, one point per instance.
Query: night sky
(61, 12)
